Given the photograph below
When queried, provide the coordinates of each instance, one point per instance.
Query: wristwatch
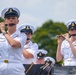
(4, 32)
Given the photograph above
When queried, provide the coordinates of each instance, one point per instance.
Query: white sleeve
(62, 46)
(32, 49)
(22, 39)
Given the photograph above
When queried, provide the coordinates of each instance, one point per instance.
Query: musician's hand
(66, 36)
(2, 26)
(60, 39)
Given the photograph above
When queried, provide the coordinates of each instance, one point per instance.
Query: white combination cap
(71, 24)
(50, 59)
(26, 28)
(11, 11)
(41, 53)
(70, 21)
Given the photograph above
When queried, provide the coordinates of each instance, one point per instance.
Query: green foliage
(46, 36)
(2, 20)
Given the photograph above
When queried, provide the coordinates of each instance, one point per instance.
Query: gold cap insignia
(10, 10)
(27, 27)
(48, 60)
(73, 24)
(40, 54)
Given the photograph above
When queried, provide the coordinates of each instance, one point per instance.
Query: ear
(17, 21)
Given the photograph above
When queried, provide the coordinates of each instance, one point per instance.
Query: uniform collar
(29, 43)
(15, 34)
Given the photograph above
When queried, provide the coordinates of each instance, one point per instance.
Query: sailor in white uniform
(30, 48)
(66, 49)
(11, 44)
(41, 53)
(49, 60)
(48, 66)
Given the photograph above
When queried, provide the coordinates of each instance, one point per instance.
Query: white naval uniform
(31, 48)
(69, 59)
(13, 55)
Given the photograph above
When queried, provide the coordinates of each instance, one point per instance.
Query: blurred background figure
(41, 53)
(66, 49)
(46, 68)
(30, 48)
(49, 60)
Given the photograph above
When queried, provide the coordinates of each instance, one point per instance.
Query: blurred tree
(46, 36)
(2, 20)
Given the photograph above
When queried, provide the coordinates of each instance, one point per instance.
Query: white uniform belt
(9, 61)
(70, 59)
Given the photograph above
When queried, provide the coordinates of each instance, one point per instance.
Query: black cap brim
(11, 14)
(71, 28)
(40, 57)
(24, 30)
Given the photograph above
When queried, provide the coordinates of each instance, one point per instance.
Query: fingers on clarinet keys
(58, 36)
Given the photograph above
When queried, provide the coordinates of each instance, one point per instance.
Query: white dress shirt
(69, 59)
(31, 48)
(13, 55)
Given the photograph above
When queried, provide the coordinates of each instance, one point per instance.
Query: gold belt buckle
(6, 61)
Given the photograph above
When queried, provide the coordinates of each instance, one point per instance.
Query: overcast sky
(36, 12)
